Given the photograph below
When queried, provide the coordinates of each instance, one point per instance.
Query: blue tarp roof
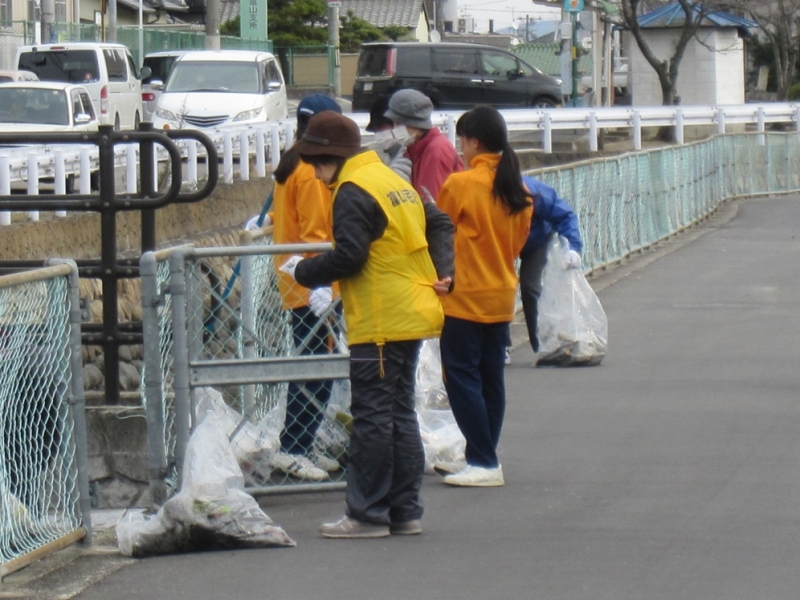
(672, 15)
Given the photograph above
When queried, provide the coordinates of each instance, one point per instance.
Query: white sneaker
(325, 462)
(298, 466)
(449, 468)
(476, 477)
(508, 356)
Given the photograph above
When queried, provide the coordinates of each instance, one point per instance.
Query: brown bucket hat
(330, 133)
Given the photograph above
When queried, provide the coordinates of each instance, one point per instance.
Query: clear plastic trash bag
(210, 512)
(572, 327)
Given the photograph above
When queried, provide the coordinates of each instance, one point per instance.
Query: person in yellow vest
(491, 211)
(393, 258)
(302, 214)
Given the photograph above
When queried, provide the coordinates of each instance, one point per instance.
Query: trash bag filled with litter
(210, 512)
(572, 326)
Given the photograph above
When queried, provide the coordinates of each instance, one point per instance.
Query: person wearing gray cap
(393, 257)
(432, 155)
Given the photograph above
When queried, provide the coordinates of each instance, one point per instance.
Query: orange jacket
(487, 243)
(301, 214)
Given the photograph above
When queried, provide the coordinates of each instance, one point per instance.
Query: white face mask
(389, 137)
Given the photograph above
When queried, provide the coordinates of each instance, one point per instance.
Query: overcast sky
(504, 12)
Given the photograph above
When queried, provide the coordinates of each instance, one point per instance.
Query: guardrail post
(679, 125)
(191, 162)
(761, 126)
(548, 133)
(288, 129)
(720, 120)
(86, 171)
(227, 157)
(60, 177)
(637, 130)
(261, 152)
(33, 182)
(244, 156)
(5, 186)
(275, 146)
(797, 117)
(593, 131)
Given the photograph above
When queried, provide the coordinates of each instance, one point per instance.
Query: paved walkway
(670, 471)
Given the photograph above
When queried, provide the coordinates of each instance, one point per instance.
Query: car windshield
(72, 66)
(214, 76)
(23, 105)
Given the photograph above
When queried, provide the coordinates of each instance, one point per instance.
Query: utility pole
(112, 20)
(48, 8)
(213, 41)
(333, 43)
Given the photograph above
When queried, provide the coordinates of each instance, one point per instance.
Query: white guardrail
(70, 168)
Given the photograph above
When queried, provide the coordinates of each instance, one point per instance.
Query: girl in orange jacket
(491, 211)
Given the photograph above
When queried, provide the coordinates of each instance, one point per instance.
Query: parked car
(452, 75)
(160, 64)
(217, 88)
(106, 70)
(13, 75)
(49, 106)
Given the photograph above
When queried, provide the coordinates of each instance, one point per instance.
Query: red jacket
(433, 158)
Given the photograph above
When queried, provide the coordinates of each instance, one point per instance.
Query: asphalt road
(671, 471)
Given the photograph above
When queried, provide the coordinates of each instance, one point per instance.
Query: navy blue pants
(386, 460)
(472, 365)
(306, 400)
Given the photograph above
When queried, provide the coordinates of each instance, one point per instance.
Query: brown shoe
(413, 527)
(347, 528)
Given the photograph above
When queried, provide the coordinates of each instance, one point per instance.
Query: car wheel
(116, 123)
(543, 102)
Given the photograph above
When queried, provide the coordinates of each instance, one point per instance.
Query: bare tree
(779, 22)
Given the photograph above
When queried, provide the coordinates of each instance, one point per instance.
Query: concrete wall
(711, 72)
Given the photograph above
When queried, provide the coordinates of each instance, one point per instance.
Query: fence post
(227, 157)
(153, 384)
(679, 125)
(261, 150)
(77, 404)
(180, 348)
(548, 133)
(593, 131)
(720, 120)
(637, 130)
(244, 156)
(275, 145)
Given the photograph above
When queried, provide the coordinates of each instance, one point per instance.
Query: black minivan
(452, 75)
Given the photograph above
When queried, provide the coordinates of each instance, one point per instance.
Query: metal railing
(44, 488)
(70, 169)
(219, 336)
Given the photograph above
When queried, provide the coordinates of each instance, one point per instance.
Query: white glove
(252, 224)
(402, 166)
(320, 299)
(572, 260)
(290, 265)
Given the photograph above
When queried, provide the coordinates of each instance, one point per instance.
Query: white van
(218, 88)
(106, 70)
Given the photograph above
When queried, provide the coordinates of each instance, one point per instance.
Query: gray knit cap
(410, 107)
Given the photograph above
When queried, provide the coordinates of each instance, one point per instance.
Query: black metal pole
(148, 182)
(108, 260)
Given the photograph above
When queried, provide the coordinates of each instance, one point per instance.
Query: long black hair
(486, 124)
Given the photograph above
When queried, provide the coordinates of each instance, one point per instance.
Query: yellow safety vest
(392, 298)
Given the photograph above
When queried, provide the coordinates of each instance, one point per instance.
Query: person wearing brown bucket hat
(392, 256)
(432, 155)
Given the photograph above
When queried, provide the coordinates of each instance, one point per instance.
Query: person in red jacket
(432, 155)
(491, 211)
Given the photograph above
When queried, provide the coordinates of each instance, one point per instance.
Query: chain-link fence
(626, 203)
(44, 503)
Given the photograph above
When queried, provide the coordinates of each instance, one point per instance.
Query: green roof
(545, 57)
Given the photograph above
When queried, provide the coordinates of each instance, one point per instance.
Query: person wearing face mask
(433, 157)
(389, 141)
